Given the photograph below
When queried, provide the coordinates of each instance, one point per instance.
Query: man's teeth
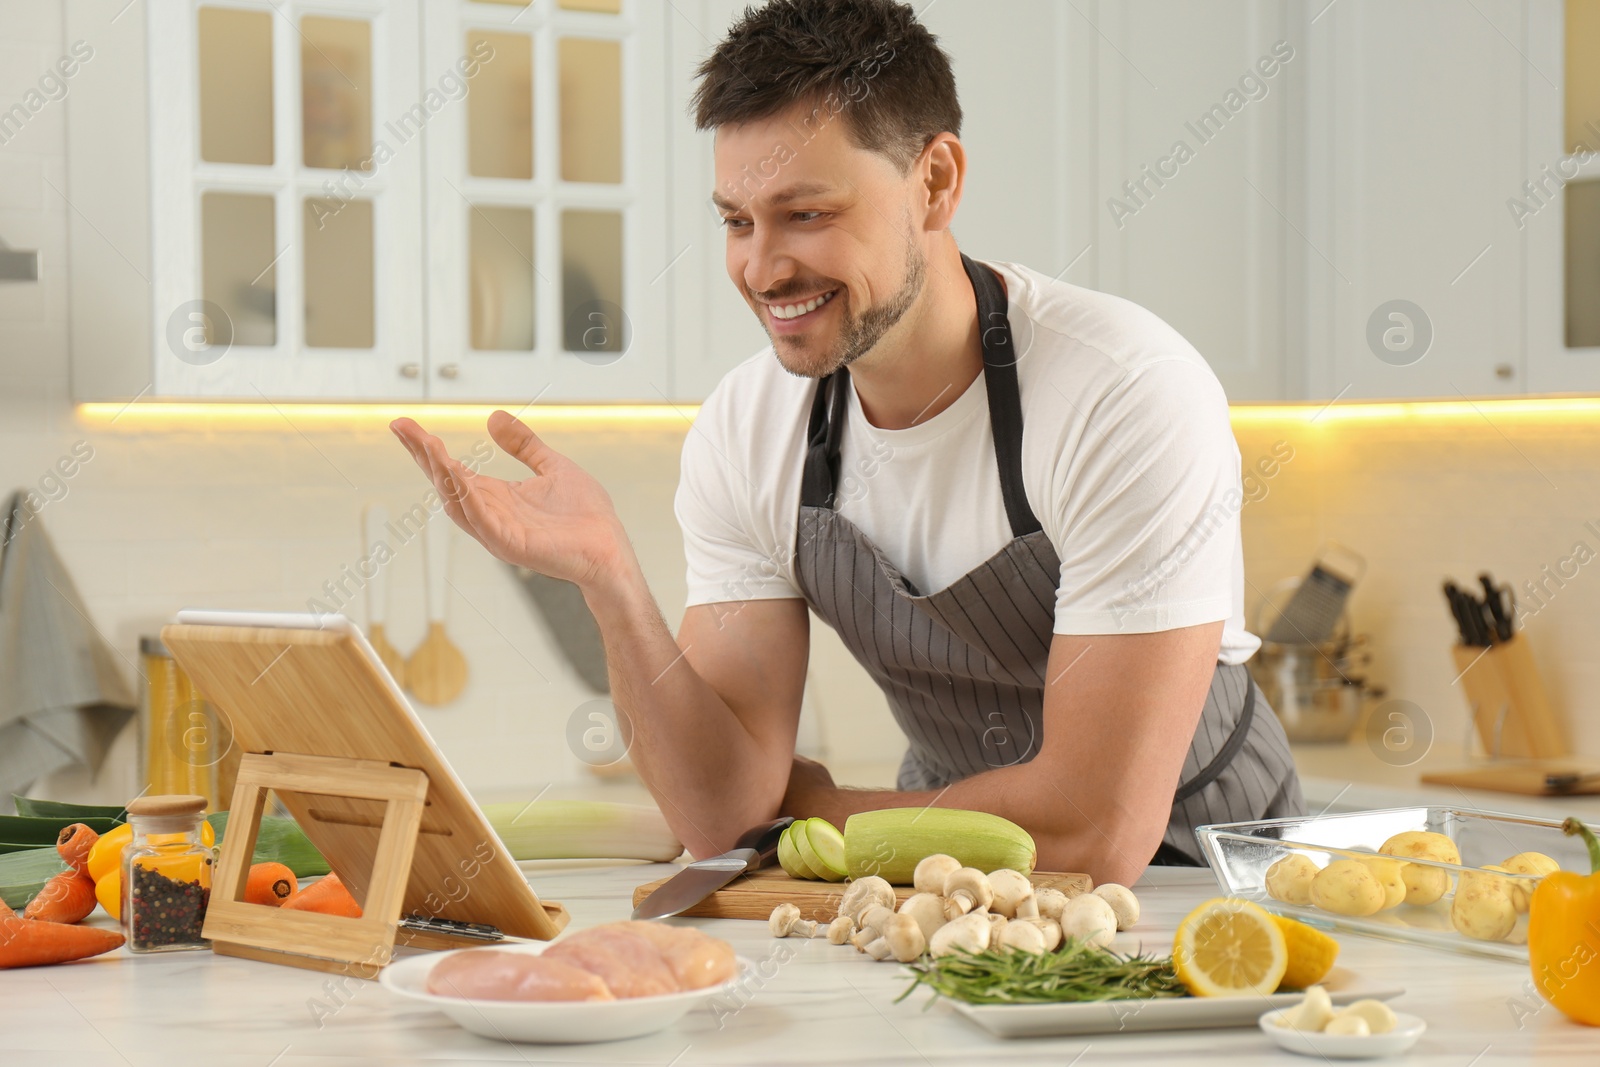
(794, 311)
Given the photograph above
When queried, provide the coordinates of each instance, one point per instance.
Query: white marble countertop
(823, 1005)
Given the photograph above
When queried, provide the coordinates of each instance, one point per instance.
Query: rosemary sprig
(1074, 973)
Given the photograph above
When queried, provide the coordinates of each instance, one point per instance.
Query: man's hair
(869, 59)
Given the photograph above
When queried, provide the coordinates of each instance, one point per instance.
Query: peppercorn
(166, 911)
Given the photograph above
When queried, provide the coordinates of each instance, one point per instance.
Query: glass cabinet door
(546, 177)
(287, 199)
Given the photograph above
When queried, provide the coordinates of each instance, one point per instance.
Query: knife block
(1510, 713)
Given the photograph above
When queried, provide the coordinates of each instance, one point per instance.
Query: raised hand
(560, 522)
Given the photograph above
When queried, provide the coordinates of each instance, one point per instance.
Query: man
(1016, 500)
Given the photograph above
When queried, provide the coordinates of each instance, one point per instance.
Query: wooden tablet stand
(359, 947)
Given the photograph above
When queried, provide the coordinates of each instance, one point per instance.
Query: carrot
(270, 884)
(29, 942)
(66, 898)
(74, 845)
(326, 895)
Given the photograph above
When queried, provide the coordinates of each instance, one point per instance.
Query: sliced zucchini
(789, 857)
(828, 843)
(800, 834)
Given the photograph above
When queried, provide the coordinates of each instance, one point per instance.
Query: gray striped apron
(963, 668)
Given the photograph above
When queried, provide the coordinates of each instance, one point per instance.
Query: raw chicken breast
(696, 959)
(629, 965)
(489, 974)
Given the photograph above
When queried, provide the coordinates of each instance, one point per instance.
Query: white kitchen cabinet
(290, 201)
(254, 232)
(1415, 140)
(1562, 172)
(546, 234)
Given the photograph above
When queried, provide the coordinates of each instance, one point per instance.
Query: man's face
(809, 215)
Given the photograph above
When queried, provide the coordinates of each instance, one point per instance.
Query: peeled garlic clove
(1348, 1023)
(1312, 1013)
(1380, 1018)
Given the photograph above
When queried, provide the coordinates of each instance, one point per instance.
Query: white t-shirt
(1128, 460)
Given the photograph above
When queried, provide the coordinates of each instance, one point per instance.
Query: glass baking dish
(1240, 854)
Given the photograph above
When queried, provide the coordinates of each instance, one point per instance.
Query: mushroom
(862, 893)
(902, 938)
(969, 933)
(966, 890)
(785, 920)
(869, 925)
(1123, 903)
(931, 872)
(997, 925)
(1024, 936)
(1007, 890)
(1050, 901)
(928, 910)
(840, 929)
(1050, 928)
(1089, 919)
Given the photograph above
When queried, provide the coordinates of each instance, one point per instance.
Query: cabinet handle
(409, 370)
(1504, 370)
(449, 370)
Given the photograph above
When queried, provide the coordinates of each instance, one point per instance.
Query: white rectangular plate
(1166, 1013)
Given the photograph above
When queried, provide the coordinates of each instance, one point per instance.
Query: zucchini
(891, 842)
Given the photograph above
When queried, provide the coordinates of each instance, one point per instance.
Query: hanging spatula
(436, 673)
(373, 525)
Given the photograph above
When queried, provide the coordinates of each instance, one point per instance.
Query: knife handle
(764, 839)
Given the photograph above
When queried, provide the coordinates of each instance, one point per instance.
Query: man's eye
(734, 224)
(813, 214)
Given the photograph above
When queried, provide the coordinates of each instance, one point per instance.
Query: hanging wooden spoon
(436, 673)
(374, 525)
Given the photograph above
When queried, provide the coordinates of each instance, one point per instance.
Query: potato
(1424, 885)
(1391, 875)
(1515, 888)
(1536, 863)
(1482, 908)
(1289, 879)
(1347, 887)
(1422, 844)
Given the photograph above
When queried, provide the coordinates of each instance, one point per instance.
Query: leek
(583, 829)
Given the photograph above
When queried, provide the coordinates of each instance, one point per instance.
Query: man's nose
(767, 265)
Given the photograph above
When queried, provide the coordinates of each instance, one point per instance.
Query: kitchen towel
(62, 698)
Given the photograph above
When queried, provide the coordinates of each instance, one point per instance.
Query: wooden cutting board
(754, 895)
(1530, 779)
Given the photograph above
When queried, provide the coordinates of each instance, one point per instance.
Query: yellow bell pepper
(1564, 935)
(105, 861)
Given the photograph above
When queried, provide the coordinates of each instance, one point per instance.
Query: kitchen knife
(755, 848)
(1496, 597)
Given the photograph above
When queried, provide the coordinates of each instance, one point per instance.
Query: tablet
(311, 685)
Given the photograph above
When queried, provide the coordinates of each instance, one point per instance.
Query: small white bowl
(554, 1022)
(1407, 1029)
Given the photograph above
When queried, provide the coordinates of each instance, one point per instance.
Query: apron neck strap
(828, 410)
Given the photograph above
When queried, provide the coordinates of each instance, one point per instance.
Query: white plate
(563, 1022)
(1407, 1029)
(1163, 1013)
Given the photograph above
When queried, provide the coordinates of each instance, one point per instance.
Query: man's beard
(858, 333)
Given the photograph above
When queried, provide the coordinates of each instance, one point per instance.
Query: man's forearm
(693, 754)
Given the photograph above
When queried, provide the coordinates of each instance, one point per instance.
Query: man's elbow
(1115, 857)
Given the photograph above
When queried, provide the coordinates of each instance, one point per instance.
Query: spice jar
(166, 874)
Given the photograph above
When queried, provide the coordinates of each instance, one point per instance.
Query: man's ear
(943, 170)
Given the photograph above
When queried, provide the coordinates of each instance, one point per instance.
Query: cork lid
(167, 805)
